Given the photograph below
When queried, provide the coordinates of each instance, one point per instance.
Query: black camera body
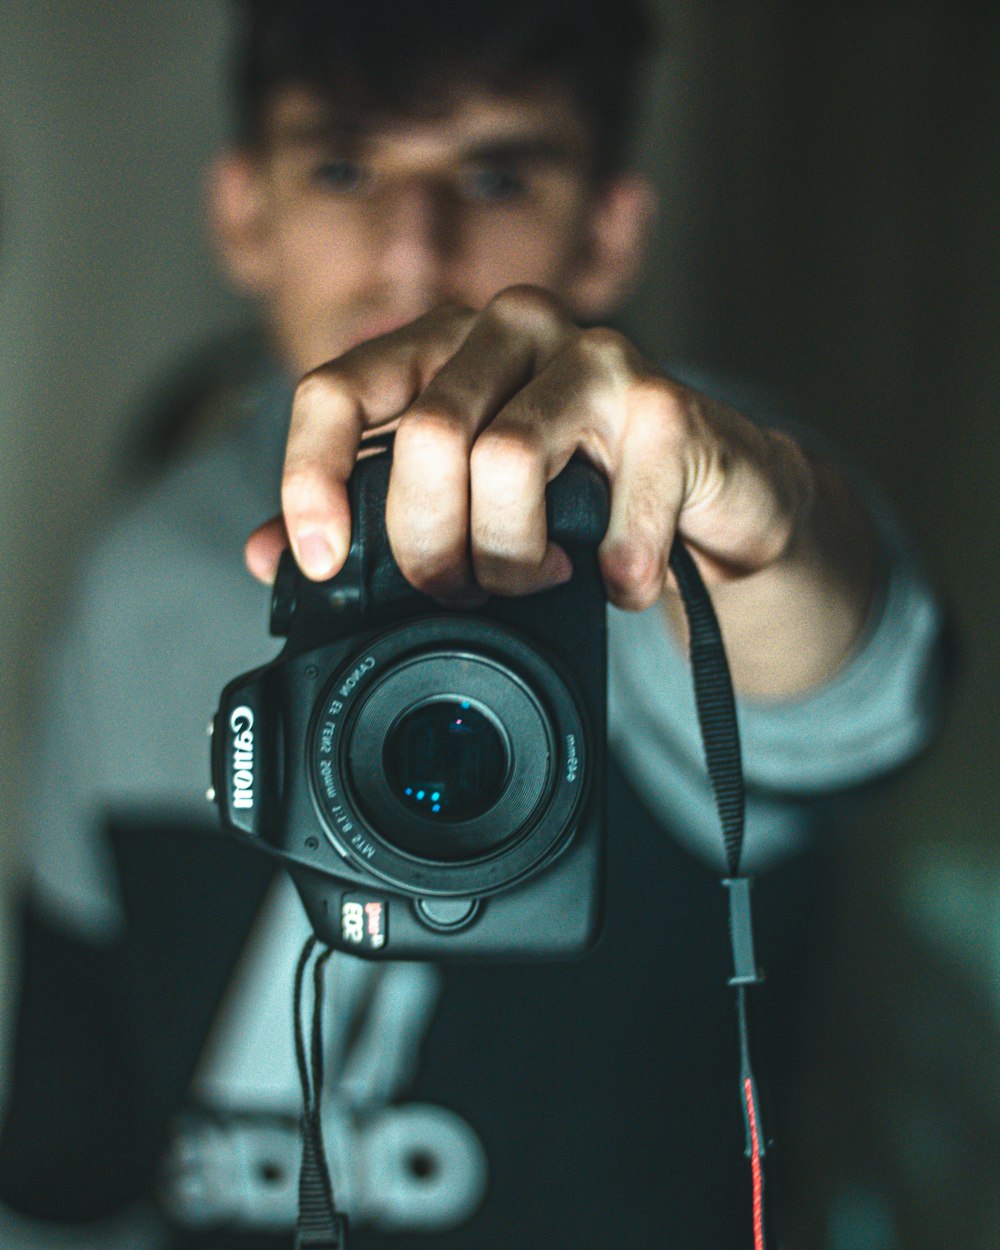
(433, 780)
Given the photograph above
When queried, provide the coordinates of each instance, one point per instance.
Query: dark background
(830, 183)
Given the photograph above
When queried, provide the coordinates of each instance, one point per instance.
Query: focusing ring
(448, 656)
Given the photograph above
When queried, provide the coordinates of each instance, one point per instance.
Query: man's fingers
(647, 496)
(334, 405)
(574, 404)
(516, 456)
(511, 465)
(489, 407)
(263, 550)
(734, 492)
(746, 490)
(427, 512)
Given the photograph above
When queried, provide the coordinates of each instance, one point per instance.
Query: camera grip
(370, 583)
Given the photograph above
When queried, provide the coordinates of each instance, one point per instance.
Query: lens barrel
(448, 757)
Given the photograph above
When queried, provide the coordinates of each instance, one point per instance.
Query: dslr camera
(434, 781)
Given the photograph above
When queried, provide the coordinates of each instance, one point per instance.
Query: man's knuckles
(507, 461)
(599, 349)
(428, 558)
(432, 432)
(330, 386)
(633, 573)
(306, 493)
(528, 310)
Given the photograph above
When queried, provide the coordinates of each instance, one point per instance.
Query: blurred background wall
(830, 183)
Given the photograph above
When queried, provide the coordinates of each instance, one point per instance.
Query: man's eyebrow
(508, 150)
(527, 149)
(321, 133)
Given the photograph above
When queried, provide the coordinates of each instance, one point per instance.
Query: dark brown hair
(410, 57)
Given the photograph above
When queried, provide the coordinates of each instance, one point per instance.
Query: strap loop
(745, 970)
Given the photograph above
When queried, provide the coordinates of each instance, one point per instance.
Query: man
(430, 203)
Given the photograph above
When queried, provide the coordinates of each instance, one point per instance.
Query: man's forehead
(543, 122)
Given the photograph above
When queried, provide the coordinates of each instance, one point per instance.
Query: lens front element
(447, 759)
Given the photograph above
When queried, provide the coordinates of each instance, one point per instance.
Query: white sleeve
(69, 859)
(875, 714)
(163, 615)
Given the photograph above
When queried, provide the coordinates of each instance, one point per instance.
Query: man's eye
(495, 186)
(344, 176)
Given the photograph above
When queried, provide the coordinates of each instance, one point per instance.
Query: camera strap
(320, 1225)
(716, 705)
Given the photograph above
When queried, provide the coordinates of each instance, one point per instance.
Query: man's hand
(489, 406)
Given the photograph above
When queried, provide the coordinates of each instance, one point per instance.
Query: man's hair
(389, 58)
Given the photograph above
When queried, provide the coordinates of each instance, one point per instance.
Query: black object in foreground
(433, 780)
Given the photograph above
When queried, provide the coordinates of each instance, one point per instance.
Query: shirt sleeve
(163, 615)
(70, 864)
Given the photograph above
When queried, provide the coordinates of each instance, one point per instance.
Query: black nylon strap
(713, 692)
(716, 704)
(320, 1225)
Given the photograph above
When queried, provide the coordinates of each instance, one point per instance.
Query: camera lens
(448, 757)
(447, 760)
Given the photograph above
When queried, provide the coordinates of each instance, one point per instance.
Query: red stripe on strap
(755, 1169)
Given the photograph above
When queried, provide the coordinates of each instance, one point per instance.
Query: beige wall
(108, 111)
(830, 182)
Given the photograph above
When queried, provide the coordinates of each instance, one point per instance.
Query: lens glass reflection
(446, 760)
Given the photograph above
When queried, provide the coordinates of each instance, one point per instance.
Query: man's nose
(416, 234)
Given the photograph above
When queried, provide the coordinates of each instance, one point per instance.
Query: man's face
(347, 233)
